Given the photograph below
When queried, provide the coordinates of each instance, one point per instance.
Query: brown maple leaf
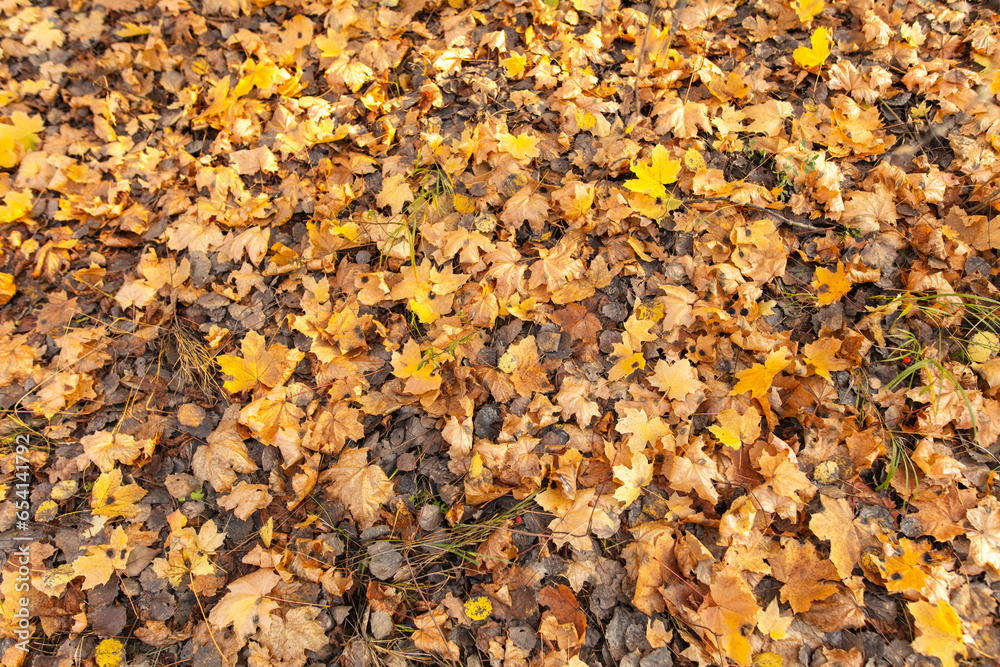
(804, 573)
(361, 486)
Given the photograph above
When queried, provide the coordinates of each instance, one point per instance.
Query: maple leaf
(269, 366)
(429, 635)
(105, 448)
(246, 606)
(807, 9)
(757, 379)
(940, 631)
(836, 524)
(984, 537)
(821, 354)
(803, 573)
(515, 65)
(245, 499)
(103, 560)
(625, 361)
(641, 428)
(394, 194)
(654, 175)
(836, 285)
(677, 380)
(695, 471)
(734, 429)
(578, 518)
(573, 400)
(363, 488)
(808, 58)
(110, 498)
(633, 478)
(523, 147)
(333, 427)
(906, 568)
(772, 623)
(276, 421)
(250, 162)
(23, 130)
(289, 638)
(225, 455)
(735, 607)
(421, 374)
(189, 553)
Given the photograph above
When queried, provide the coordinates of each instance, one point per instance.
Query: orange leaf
(799, 566)
(837, 285)
(421, 374)
(268, 366)
(111, 498)
(822, 356)
(757, 379)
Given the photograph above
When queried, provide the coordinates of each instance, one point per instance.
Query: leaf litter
(558, 332)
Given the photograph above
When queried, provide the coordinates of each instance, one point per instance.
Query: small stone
(523, 637)
(615, 311)
(429, 517)
(630, 660)
(661, 657)
(911, 527)
(548, 341)
(381, 624)
(635, 638)
(385, 561)
(375, 532)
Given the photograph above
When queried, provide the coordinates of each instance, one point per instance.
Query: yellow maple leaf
(772, 623)
(246, 606)
(837, 285)
(633, 478)
(641, 429)
(421, 374)
(626, 361)
(111, 498)
(757, 379)
(808, 58)
(822, 356)
(224, 455)
(103, 560)
(653, 176)
(515, 65)
(807, 9)
(522, 148)
(940, 631)
(133, 30)
(15, 204)
(905, 569)
(735, 429)
(19, 136)
(269, 366)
